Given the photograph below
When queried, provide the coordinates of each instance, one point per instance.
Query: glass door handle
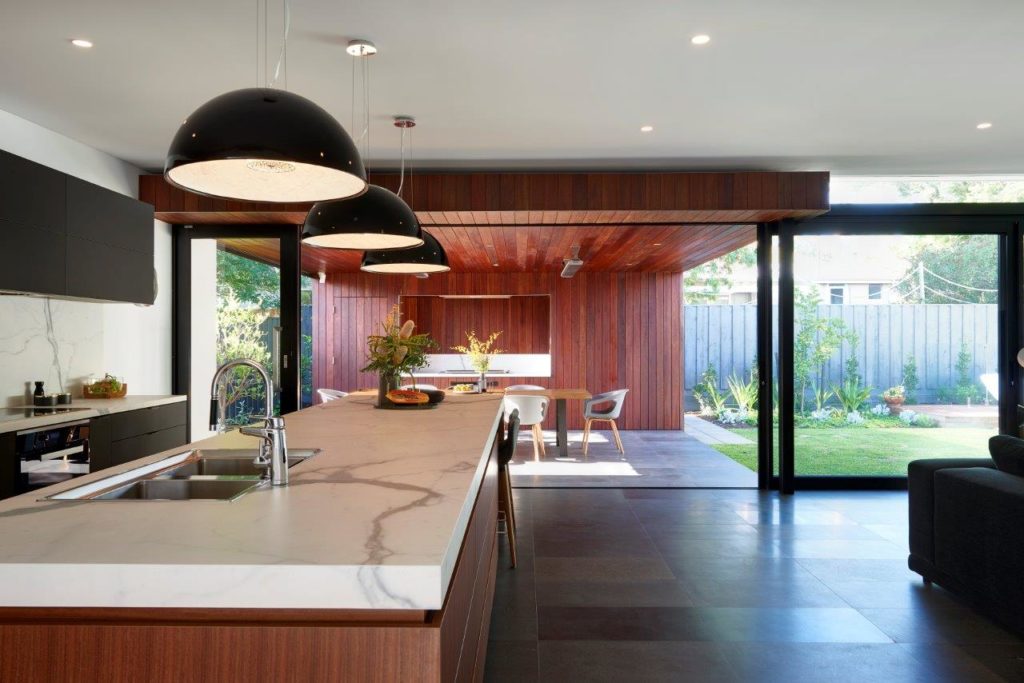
(275, 354)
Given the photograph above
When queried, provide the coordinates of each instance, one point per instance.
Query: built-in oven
(50, 455)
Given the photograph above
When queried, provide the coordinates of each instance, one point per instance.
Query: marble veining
(375, 520)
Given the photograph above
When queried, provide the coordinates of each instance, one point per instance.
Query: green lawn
(861, 451)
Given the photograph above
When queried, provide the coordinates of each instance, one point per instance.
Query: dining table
(560, 397)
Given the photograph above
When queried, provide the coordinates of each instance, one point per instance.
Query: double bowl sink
(199, 474)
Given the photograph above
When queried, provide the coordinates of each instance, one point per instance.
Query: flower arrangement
(396, 351)
(479, 351)
(897, 393)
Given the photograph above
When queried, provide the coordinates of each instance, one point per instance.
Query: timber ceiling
(477, 249)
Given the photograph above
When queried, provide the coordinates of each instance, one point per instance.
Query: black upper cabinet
(61, 236)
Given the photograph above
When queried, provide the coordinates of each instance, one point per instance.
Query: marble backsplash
(58, 342)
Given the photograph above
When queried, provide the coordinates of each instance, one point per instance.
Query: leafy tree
(962, 191)
(239, 335)
(817, 340)
(704, 283)
(959, 269)
(250, 282)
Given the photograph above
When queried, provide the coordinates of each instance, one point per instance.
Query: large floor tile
(593, 592)
(563, 661)
(957, 625)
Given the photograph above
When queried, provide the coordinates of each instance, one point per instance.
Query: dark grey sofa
(967, 532)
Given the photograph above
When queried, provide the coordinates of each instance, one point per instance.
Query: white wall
(204, 333)
(62, 342)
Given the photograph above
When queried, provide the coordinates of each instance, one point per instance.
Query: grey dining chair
(604, 407)
(330, 394)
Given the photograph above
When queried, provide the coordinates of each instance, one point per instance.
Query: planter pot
(895, 405)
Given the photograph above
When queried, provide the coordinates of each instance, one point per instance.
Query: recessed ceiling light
(701, 39)
(984, 125)
(81, 42)
(646, 129)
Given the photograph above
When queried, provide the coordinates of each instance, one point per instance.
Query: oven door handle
(63, 453)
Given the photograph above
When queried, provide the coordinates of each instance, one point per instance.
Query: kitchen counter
(374, 521)
(95, 408)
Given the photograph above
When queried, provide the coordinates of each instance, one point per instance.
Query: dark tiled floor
(729, 585)
(652, 459)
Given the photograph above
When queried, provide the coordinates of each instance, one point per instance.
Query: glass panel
(306, 343)
(235, 315)
(720, 360)
(903, 365)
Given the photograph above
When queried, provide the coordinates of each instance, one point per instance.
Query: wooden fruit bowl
(87, 392)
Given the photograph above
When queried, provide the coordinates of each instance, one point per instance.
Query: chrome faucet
(274, 448)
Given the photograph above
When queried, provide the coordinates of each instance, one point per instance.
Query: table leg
(560, 428)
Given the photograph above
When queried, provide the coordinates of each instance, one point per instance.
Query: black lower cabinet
(123, 437)
(9, 465)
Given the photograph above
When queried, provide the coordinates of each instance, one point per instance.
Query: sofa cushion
(920, 478)
(1008, 454)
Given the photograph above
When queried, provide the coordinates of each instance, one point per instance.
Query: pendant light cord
(282, 56)
(401, 173)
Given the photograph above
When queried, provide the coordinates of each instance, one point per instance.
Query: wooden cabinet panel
(109, 218)
(137, 447)
(31, 194)
(32, 259)
(147, 420)
(99, 443)
(100, 271)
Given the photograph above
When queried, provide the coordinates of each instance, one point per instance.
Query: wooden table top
(556, 394)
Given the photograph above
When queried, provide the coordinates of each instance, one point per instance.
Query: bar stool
(506, 449)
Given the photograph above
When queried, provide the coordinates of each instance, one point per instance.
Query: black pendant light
(264, 144)
(428, 258)
(378, 219)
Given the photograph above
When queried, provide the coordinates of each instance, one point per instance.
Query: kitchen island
(376, 562)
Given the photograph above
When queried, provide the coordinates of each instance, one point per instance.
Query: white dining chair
(532, 410)
(603, 408)
(330, 394)
(525, 387)
(419, 387)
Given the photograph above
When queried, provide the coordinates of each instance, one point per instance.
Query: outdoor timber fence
(726, 335)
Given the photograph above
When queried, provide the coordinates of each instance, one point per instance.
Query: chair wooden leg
(618, 441)
(586, 436)
(536, 448)
(505, 495)
(511, 503)
(538, 439)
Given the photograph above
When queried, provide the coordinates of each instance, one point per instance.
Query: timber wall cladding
(608, 331)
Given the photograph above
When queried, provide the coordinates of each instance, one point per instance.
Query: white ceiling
(865, 87)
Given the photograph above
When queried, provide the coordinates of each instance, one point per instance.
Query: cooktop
(20, 413)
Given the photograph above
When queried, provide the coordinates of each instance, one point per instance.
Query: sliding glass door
(237, 297)
(898, 335)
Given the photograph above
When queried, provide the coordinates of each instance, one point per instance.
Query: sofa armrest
(921, 495)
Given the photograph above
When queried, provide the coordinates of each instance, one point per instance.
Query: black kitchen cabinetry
(123, 437)
(10, 466)
(61, 236)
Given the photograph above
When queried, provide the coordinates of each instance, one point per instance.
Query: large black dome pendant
(262, 144)
(429, 258)
(377, 220)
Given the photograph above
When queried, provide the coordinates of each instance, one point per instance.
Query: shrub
(705, 389)
(910, 379)
(743, 393)
(851, 395)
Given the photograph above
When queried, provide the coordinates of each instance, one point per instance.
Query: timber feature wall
(608, 331)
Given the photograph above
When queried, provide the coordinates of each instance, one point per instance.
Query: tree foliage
(703, 284)
(250, 282)
(240, 335)
(957, 269)
(817, 340)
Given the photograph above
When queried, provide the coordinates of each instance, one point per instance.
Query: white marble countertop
(95, 407)
(376, 520)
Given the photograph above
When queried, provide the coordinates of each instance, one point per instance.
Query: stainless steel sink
(225, 462)
(199, 474)
(182, 489)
